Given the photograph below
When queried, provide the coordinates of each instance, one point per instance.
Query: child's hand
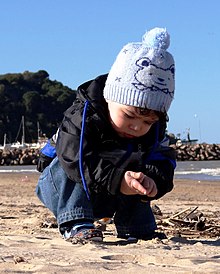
(138, 183)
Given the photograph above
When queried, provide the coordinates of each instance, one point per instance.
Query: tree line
(35, 97)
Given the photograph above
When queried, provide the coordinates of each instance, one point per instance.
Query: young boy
(110, 158)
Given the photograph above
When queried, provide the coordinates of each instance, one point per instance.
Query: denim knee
(64, 197)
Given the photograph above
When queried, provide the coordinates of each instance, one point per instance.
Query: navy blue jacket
(92, 153)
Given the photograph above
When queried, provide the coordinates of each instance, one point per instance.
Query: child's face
(127, 122)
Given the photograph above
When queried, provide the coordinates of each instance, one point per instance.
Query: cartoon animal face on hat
(143, 73)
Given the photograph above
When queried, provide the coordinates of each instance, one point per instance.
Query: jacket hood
(93, 90)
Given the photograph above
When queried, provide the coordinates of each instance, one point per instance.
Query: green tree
(37, 98)
(31, 101)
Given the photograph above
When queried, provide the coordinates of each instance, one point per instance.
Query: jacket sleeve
(160, 167)
(99, 173)
(46, 155)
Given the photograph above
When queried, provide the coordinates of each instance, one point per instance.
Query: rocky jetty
(185, 152)
(197, 152)
(19, 156)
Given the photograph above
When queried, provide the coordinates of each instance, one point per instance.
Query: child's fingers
(137, 175)
(152, 191)
(150, 186)
(141, 184)
(138, 187)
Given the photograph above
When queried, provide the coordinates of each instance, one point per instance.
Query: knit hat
(143, 73)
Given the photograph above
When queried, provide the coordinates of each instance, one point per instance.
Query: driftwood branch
(190, 223)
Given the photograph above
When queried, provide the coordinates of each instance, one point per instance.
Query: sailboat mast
(38, 131)
(23, 132)
(5, 139)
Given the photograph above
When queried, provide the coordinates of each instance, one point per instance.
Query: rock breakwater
(19, 156)
(185, 152)
(197, 152)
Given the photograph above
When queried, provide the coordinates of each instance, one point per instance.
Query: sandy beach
(30, 242)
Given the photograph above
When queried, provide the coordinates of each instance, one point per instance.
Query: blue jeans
(68, 202)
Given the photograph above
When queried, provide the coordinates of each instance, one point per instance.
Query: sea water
(195, 170)
(198, 170)
(19, 169)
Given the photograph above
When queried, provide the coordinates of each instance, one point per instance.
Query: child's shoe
(150, 236)
(83, 233)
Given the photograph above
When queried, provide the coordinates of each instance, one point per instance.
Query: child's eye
(128, 116)
(148, 123)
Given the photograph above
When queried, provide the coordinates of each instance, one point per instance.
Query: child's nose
(135, 127)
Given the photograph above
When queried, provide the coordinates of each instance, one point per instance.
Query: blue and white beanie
(143, 73)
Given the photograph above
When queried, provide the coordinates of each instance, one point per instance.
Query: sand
(29, 242)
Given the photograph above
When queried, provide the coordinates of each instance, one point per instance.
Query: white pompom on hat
(143, 73)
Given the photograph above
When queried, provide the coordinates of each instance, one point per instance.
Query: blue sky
(75, 41)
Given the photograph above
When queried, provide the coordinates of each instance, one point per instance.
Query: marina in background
(41, 140)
